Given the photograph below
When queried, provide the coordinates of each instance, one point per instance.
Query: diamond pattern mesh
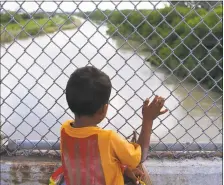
(39, 54)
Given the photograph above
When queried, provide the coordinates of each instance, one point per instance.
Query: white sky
(84, 6)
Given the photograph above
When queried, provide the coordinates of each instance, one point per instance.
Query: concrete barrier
(37, 170)
(197, 171)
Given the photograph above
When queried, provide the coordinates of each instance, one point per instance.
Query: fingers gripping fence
(173, 49)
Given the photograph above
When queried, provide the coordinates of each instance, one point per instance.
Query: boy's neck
(84, 121)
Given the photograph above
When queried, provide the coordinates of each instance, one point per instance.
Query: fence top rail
(55, 145)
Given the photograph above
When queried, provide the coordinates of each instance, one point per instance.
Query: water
(37, 92)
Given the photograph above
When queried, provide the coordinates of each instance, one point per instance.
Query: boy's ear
(106, 106)
(103, 109)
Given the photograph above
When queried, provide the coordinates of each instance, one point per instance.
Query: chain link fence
(173, 49)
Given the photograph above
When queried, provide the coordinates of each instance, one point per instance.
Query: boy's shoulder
(114, 135)
(66, 124)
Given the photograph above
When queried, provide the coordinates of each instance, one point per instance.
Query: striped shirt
(92, 156)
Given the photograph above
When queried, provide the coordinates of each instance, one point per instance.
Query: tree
(197, 4)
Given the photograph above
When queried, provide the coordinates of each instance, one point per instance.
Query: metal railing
(173, 49)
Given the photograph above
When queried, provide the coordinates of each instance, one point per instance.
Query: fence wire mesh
(173, 49)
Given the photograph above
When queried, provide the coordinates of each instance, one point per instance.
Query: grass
(35, 28)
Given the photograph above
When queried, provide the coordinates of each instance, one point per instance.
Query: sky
(84, 6)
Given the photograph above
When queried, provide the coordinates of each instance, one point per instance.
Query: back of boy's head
(88, 89)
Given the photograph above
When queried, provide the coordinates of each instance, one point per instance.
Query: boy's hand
(134, 175)
(153, 110)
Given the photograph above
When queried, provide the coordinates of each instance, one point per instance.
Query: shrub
(182, 30)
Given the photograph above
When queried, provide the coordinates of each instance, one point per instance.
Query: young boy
(91, 155)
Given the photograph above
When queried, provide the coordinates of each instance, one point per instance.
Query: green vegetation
(175, 40)
(21, 26)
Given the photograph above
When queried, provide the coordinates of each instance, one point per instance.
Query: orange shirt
(91, 155)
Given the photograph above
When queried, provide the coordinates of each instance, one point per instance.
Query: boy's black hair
(87, 90)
